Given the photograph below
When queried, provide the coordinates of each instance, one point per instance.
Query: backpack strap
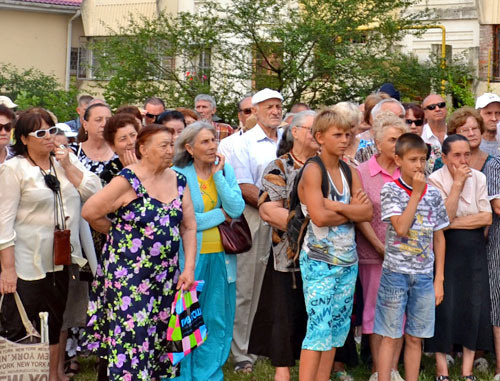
(325, 184)
(347, 173)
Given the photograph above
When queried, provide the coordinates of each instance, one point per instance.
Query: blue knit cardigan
(228, 197)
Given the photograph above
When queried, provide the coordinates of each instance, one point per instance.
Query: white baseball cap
(7, 102)
(485, 99)
(67, 130)
(264, 95)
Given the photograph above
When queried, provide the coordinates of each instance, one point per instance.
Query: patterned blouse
(92, 165)
(110, 170)
(277, 184)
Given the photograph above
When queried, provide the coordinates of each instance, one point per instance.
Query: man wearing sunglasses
(244, 111)
(226, 146)
(488, 105)
(434, 131)
(7, 118)
(153, 107)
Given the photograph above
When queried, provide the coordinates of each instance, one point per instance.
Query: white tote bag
(20, 360)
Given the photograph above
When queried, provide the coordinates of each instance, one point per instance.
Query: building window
(199, 66)
(267, 59)
(89, 62)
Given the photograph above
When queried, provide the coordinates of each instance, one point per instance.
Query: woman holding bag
(216, 198)
(32, 182)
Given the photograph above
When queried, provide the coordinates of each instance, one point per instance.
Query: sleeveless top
(334, 245)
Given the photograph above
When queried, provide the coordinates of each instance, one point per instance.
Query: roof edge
(38, 7)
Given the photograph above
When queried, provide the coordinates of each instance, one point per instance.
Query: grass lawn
(264, 372)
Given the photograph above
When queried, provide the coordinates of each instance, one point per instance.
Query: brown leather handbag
(62, 247)
(235, 235)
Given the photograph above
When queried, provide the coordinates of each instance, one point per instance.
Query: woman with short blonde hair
(378, 170)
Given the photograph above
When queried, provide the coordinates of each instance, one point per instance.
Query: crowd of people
(398, 240)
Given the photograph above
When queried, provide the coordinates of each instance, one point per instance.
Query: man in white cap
(254, 151)
(7, 102)
(488, 105)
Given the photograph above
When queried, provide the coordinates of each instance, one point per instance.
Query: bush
(32, 88)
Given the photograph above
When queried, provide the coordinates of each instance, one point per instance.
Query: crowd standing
(399, 237)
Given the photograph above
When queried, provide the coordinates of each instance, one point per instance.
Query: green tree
(310, 50)
(415, 79)
(161, 57)
(32, 88)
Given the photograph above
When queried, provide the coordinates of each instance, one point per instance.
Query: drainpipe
(68, 49)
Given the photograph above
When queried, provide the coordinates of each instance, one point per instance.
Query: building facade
(472, 30)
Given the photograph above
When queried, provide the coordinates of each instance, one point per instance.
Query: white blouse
(474, 196)
(27, 214)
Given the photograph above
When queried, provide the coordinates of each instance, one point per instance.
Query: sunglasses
(152, 116)
(41, 133)
(246, 111)
(418, 122)
(433, 106)
(7, 127)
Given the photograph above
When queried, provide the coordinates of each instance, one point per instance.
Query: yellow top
(210, 242)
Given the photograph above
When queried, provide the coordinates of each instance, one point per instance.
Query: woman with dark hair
(173, 119)
(36, 177)
(7, 119)
(91, 148)
(120, 132)
(463, 318)
(134, 110)
(95, 154)
(280, 321)
(216, 198)
(467, 122)
(138, 274)
(414, 118)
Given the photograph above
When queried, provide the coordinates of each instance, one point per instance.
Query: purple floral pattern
(134, 286)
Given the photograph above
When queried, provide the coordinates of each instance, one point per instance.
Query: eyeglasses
(246, 111)
(464, 130)
(152, 116)
(433, 106)
(418, 122)
(41, 133)
(305, 128)
(7, 127)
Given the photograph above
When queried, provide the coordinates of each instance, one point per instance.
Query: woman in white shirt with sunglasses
(29, 183)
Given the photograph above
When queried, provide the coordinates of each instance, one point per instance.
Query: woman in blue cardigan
(216, 198)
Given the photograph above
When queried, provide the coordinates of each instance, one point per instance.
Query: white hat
(485, 99)
(264, 95)
(67, 130)
(7, 102)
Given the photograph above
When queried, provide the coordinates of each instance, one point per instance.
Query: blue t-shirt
(412, 254)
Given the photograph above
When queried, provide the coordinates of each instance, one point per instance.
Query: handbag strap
(59, 216)
(30, 330)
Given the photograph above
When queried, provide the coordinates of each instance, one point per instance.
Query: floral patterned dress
(135, 284)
